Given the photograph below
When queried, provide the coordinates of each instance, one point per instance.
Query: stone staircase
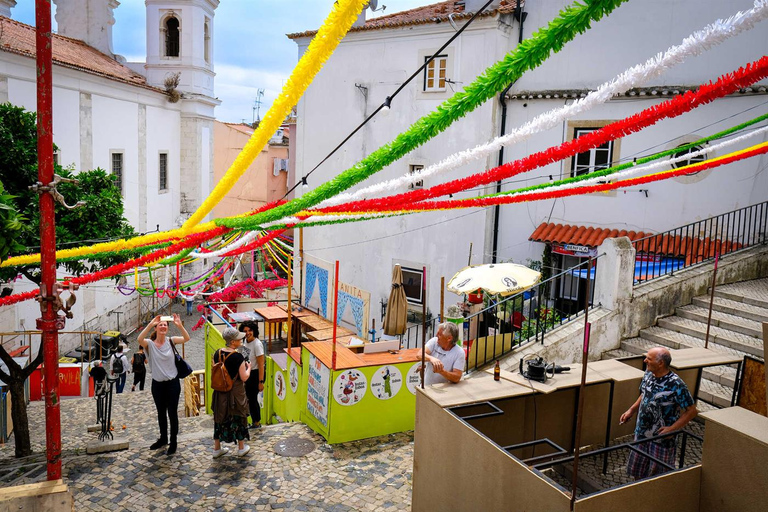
(737, 315)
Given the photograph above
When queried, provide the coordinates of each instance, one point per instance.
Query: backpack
(117, 364)
(138, 363)
(220, 379)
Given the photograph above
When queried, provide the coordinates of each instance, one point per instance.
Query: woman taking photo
(165, 381)
(230, 408)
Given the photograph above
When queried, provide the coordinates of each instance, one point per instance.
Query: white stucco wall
(162, 207)
(381, 60)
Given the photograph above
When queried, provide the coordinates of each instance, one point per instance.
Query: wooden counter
(327, 334)
(345, 358)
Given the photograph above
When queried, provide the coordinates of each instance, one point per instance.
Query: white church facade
(121, 117)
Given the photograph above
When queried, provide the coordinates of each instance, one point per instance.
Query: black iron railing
(666, 253)
(412, 336)
(506, 324)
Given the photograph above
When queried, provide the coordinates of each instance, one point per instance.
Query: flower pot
(476, 297)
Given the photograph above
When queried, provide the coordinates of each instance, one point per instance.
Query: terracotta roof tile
(18, 38)
(427, 14)
(693, 249)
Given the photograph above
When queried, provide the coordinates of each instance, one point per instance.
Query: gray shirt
(452, 359)
(161, 360)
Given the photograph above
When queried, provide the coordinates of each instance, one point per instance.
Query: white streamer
(695, 44)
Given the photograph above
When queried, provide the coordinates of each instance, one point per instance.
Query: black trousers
(166, 396)
(252, 392)
(138, 378)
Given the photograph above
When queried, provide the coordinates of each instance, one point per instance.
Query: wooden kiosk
(507, 445)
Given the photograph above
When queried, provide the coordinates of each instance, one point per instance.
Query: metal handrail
(700, 241)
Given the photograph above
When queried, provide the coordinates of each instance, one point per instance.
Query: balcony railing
(666, 253)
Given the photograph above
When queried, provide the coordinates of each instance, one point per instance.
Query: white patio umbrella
(494, 278)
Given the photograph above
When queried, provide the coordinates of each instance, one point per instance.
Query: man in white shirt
(445, 359)
(119, 370)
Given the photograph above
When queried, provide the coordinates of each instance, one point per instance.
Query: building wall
(380, 60)
(258, 185)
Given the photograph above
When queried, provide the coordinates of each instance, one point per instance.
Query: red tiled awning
(693, 249)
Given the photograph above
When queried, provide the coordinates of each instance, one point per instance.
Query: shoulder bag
(182, 367)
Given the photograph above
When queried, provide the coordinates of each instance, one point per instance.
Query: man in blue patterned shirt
(665, 405)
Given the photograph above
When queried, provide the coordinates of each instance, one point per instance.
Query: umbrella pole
(423, 323)
(469, 261)
(335, 310)
(442, 297)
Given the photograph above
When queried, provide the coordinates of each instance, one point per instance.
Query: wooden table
(315, 323)
(327, 334)
(272, 315)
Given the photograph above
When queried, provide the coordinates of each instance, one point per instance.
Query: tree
(100, 218)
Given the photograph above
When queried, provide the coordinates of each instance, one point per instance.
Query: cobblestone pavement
(373, 474)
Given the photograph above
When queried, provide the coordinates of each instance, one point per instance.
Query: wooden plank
(616, 370)
(322, 350)
(685, 358)
(272, 314)
(476, 389)
(315, 323)
(327, 334)
(47, 487)
(295, 354)
(295, 313)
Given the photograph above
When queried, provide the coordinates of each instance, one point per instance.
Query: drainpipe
(48, 293)
(520, 17)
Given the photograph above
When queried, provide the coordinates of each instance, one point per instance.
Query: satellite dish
(374, 6)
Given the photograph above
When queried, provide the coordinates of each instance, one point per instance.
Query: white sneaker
(244, 451)
(219, 453)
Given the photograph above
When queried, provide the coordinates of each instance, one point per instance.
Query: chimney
(6, 6)
(88, 20)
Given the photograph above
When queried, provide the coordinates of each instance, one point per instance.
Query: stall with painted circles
(367, 395)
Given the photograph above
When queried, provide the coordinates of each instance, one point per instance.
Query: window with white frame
(413, 284)
(162, 172)
(117, 169)
(413, 169)
(435, 74)
(691, 160)
(595, 159)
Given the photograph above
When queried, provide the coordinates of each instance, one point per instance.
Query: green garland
(573, 20)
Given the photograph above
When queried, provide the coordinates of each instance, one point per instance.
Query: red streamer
(726, 84)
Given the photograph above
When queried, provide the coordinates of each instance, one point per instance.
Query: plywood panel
(678, 491)
(476, 389)
(752, 393)
(451, 483)
(733, 470)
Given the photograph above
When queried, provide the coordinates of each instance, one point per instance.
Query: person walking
(230, 408)
(119, 365)
(139, 368)
(189, 298)
(99, 376)
(253, 350)
(166, 388)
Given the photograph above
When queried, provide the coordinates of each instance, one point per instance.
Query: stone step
(674, 339)
(715, 393)
(719, 319)
(736, 340)
(617, 354)
(725, 375)
(733, 307)
(753, 292)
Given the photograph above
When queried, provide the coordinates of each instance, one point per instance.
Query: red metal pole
(335, 310)
(47, 324)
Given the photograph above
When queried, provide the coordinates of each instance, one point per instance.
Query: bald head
(658, 360)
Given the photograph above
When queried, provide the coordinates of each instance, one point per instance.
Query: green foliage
(10, 225)
(548, 318)
(101, 217)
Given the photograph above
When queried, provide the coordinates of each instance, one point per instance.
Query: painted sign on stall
(386, 382)
(349, 387)
(319, 378)
(413, 378)
(279, 385)
(293, 376)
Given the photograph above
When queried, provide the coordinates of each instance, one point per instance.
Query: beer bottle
(497, 371)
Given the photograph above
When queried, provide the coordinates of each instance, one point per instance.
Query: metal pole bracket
(53, 190)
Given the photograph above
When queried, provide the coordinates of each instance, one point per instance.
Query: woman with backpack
(166, 388)
(139, 367)
(230, 404)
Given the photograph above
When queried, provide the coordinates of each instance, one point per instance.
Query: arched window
(207, 43)
(172, 37)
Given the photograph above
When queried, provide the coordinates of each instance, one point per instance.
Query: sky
(250, 49)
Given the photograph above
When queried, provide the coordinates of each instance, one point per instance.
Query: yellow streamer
(339, 21)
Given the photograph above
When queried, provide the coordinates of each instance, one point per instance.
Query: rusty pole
(47, 324)
(335, 313)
